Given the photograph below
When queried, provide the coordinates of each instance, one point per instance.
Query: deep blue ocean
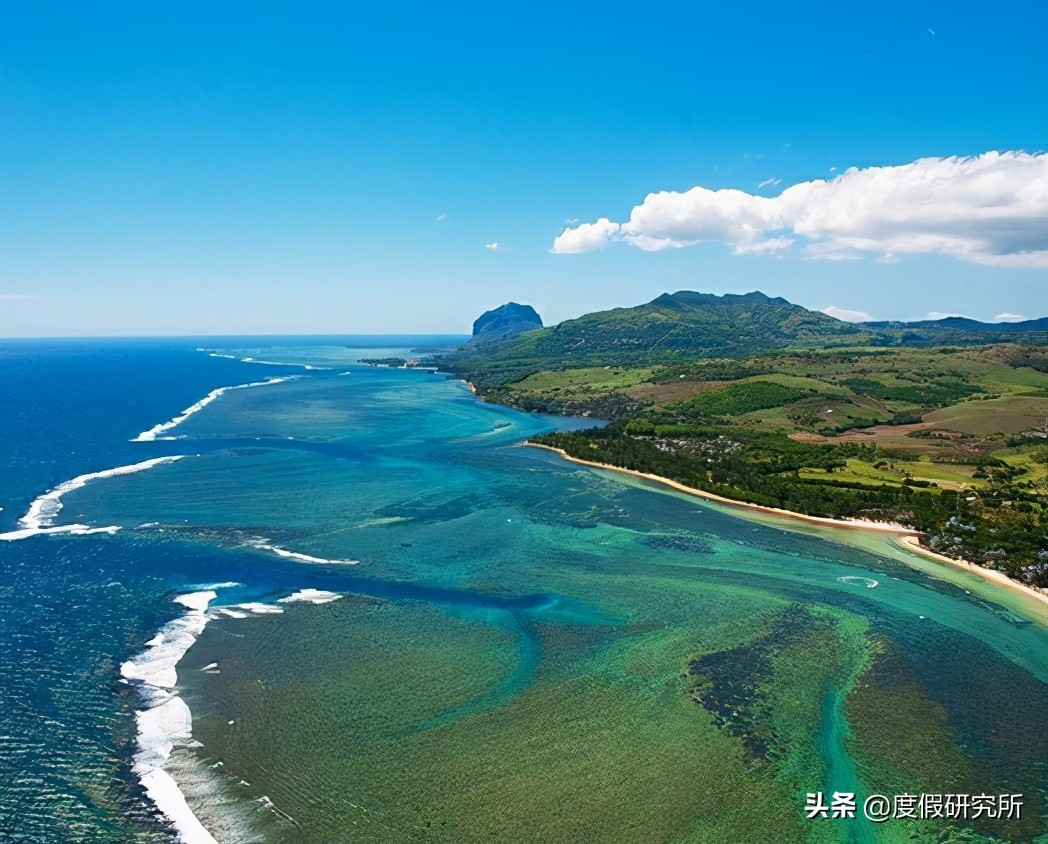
(384, 517)
(72, 609)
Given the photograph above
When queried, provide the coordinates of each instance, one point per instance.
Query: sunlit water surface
(502, 645)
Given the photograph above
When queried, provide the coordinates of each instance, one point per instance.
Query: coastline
(912, 543)
(905, 537)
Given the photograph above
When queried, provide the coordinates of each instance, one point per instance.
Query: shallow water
(525, 649)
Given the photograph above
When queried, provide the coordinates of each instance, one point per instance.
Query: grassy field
(894, 473)
(972, 391)
(1006, 415)
(943, 420)
(1032, 462)
(593, 379)
(826, 413)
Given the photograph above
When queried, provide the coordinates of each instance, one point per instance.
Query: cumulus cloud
(763, 247)
(1006, 317)
(586, 237)
(846, 315)
(990, 209)
(492, 246)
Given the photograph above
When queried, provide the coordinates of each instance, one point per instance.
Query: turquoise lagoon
(404, 624)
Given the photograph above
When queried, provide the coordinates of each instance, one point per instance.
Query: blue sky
(268, 167)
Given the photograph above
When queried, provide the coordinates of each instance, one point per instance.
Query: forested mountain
(687, 325)
(941, 425)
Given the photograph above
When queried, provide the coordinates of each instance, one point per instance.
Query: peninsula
(937, 427)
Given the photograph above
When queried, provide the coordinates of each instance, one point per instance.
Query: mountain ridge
(505, 321)
(689, 325)
(964, 324)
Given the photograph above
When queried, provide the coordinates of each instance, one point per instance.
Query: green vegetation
(740, 398)
(595, 379)
(688, 326)
(763, 401)
(897, 472)
(995, 518)
(1012, 414)
(931, 394)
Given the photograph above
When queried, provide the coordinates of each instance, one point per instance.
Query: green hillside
(673, 327)
(686, 326)
(761, 400)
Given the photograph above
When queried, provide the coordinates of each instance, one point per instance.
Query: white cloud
(492, 246)
(441, 217)
(1006, 317)
(671, 219)
(991, 209)
(586, 237)
(769, 183)
(828, 251)
(15, 297)
(941, 315)
(764, 247)
(846, 315)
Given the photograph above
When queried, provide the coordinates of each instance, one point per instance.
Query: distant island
(505, 321)
(940, 426)
(402, 363)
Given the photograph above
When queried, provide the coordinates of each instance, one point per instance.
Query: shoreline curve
(906, 537)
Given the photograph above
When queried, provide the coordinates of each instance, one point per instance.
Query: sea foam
(154, 432)
(284, 363)
(166, 720)
(868, 582)
(75, 530)
(216, 354)
(295, 555)
(256, 608)
(40, 517)
(311, 596)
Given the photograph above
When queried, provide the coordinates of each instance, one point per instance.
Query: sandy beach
(912, 543)
(906, 537)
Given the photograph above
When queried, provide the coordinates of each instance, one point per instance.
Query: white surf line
(283, 363)
(73, 530)
(311, 596)
(166, 720)
(216, 354)
(228, 612)
(40, 517)
(251, 608)
(153, 433)
(295, 555)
